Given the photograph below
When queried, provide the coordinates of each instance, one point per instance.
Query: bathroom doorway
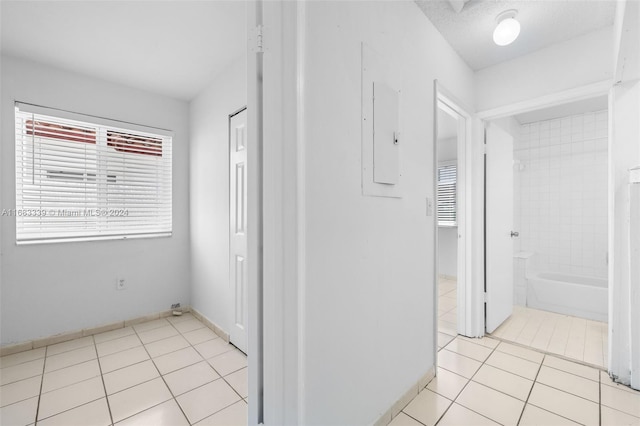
(560, 230)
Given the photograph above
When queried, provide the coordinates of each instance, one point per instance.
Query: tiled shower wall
(560, 183)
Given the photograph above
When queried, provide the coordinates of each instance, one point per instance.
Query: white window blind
(447, 195)
(85, 180)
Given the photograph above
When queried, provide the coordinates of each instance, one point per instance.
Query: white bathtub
(583, 297)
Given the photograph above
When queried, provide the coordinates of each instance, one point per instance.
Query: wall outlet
(121, 284)
(175, 306)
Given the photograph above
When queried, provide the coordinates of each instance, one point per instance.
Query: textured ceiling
(543, 23)
(173, 48)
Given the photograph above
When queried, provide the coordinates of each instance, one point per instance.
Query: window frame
(136, 155)
(439, 183)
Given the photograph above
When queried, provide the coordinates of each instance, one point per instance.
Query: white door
(238, 227)
(499, 227)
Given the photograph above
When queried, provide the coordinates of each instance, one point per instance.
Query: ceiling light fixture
(507, 29)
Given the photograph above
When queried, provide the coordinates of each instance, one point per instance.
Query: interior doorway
(453, 130)
(447, 202)
(549, 289)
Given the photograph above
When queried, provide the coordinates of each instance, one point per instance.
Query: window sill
(101, 238)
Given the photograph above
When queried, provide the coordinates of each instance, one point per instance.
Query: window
(79, 180)
(447, 195)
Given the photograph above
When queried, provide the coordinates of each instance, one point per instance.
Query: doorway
(453, 202)
(546, 230)
(447, 202)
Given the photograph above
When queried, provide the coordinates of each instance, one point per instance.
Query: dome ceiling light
(508, 28)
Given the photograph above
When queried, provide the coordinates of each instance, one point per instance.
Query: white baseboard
(406, 398)
(213, 326)
(64, 337)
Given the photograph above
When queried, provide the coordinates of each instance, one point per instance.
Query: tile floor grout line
(197, 387)
(463, 388)
(73, 349)
(173, 397)
(44, 365)
(599, 398)
(104, 386)
(573, 374)
(535, 380)
(500, 368)
(554, 354)
(146, 381)
(72, 408)
(489, 387)
(410, 416)
(69, 409)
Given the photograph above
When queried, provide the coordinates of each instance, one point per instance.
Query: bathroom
(560, 264)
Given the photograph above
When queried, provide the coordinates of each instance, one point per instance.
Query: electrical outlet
(121, 284)
(175, 306)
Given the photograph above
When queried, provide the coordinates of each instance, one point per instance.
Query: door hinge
(259, 41)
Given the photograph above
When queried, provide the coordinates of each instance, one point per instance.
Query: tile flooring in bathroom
(171, 371)
(489, 382)
(571, 337)
(576, 338)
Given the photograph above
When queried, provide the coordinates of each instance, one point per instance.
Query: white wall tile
(561, 193)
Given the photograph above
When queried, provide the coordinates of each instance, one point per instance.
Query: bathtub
(583, 297)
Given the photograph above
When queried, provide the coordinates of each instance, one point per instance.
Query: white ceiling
(543, 23)
(174, 48)
(579, 107)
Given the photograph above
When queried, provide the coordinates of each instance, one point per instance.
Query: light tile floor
(172, 371)
(488, 382)
(576, 338)
(447, 311)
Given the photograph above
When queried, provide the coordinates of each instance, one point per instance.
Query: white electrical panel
(381, 143)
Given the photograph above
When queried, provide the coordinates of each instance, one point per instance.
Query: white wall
(448, 149)
(560, 197)
(368, 307)
(447, 236)
(448, 251)
(211, 293)
(54, 288)
(577, 62)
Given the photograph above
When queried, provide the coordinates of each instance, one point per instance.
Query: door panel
(498, 227)
(237, 227)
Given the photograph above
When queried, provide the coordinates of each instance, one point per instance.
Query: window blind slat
(446, 195)
(78, 180)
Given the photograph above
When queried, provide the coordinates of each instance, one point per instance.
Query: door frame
(276, 216)
(442, 96)
(588, 91)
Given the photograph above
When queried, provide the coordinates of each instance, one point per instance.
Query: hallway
(488, 382)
